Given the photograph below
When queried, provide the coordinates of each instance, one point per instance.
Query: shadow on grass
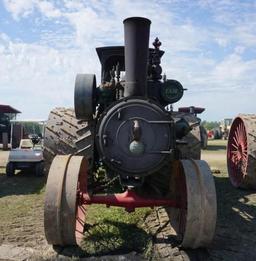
(236, 223)
(22, 183)
(110, 238)
(213, 147)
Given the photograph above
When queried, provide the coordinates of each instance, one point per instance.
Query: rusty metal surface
(201, 204)
(63, 213)
(53, 197)
(241, 151)
(195, 221)
(73, 212)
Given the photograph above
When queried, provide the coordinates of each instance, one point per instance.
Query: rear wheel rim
(237, 152)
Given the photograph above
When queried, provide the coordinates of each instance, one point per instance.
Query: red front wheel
(64, 212)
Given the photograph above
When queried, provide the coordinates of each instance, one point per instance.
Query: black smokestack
(136, 38)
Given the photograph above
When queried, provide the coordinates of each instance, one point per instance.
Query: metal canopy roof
(191, 109)
(8, 109)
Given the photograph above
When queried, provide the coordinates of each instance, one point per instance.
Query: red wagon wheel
(64, 213)
(241, 158)
(195, 219)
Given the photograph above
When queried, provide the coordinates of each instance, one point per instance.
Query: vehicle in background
(221, 131)
(29, 154)
(215, 133)
(225, 126)
(7, 113)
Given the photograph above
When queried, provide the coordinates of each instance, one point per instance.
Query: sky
(210, 47)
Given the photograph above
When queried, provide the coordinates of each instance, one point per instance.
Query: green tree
(209, 125)
(33, 128)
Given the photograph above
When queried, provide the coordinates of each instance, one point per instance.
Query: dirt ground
(21, 221)
(235, 237)
(3, 158)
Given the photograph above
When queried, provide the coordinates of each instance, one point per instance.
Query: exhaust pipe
(136, 38)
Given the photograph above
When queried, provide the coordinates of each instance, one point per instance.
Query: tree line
(209, 125)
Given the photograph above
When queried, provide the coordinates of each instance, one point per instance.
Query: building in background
(7, 113)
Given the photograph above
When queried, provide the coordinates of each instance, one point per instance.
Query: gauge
(172, 91)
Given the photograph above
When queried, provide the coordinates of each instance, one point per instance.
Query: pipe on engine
(136, 37)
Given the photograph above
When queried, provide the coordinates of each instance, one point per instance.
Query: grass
(216, 146)
(108, 230)
(21, 201)
(115, 231)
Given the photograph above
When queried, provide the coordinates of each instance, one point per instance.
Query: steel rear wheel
(241, 148)
(65, 134)
(193, 187)
(64, 213)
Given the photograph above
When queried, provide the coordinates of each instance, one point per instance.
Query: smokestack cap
(137, 19)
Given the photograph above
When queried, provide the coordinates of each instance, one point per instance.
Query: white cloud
(48, 9)
(74, 5)
(40, 75)
(19, 8)
(221, 41)
(44, 70)
(234, 72)
(24, 8)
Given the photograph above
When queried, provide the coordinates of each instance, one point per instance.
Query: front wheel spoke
(78, 231)
(234, 152)
(235, 155)
(82, 209)
(234, 145)
(80, 222)
(237, 135)
(235, 140)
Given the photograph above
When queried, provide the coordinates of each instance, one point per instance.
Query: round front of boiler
(134, 137)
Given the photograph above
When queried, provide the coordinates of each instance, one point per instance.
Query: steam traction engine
(129, 129)
(241, 151)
